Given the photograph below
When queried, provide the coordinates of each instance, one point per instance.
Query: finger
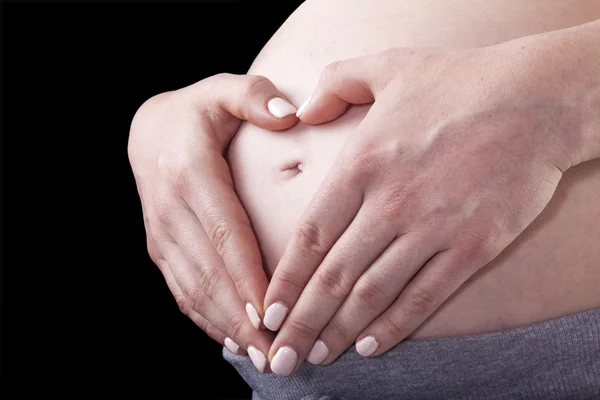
(198, 319)
(433, 284)
(207, 288)
(230, 98)
(212, 198)
(327, 216)
(351, 255)
(210, 294)
(352, 81)
(372, 294)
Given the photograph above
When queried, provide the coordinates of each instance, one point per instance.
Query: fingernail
(303, 106)
(280, 108)
(231, 345)
(258, 358)
(319, 353)
(367, 346)
(274, 316)
(253, 315)
(284, 361)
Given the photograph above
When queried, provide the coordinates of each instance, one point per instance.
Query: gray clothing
(555, 359)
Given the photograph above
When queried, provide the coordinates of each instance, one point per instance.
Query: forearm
(586, 50)
(565, 65)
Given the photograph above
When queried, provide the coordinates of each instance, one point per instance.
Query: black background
(84, 310)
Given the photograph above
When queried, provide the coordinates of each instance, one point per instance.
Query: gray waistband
(555, 359)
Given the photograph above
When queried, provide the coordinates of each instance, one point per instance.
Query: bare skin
(176, 145)
(199, 235)
(550, 270)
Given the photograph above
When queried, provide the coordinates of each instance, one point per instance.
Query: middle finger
(196, 318)
(373, 293)
(204, 280)
(350, 256)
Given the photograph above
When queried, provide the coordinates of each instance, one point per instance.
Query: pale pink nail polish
(319, 353)
(253, 315)
(280, 108)
(284, 361)
(274, 316)
(258, 359)
(302, 107)
(367, 346)
(231, 346)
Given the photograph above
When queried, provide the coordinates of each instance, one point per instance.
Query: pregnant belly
(552, 269)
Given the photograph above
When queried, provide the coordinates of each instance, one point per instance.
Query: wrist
(561, 70)
(576, 54)
(578, 51)
(590, 130)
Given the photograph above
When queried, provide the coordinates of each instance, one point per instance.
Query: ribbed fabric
(551, 360)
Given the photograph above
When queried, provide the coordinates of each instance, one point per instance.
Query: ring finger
(328, 288)
(198, 319)
(206, 286)
(373, 293)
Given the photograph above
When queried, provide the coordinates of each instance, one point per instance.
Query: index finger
(227, 99)
(328, 215)
(213, 199)
(207, 186)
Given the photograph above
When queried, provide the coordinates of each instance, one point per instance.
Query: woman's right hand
(198, 233)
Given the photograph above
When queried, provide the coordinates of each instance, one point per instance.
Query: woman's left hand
(459, 153)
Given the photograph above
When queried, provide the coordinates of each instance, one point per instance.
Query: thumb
(228, 98)
(352, 81)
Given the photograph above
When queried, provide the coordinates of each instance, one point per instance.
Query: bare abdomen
(551, 270)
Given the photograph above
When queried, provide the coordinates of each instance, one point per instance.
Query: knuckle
(209, 283)
(392, 328)
(332, 283)
(422, 300)
(288, 282)
(239, 279)
(340, 332)
(221, 235)
(189, 301)
(176, 170)
(359, 165)
(147, 112)
(390, 212)
(393, 203)
(211, 331)
(253, 85)
(371, 295)
(478, 245)
(155, 231)
(236, 326)
(309, 237)
(207, 327)
(163, 208)
(330, 71)
(205, 87)
(153, 252)
(301, 329)
(213, 116)
(182, 303)
(221, 76)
